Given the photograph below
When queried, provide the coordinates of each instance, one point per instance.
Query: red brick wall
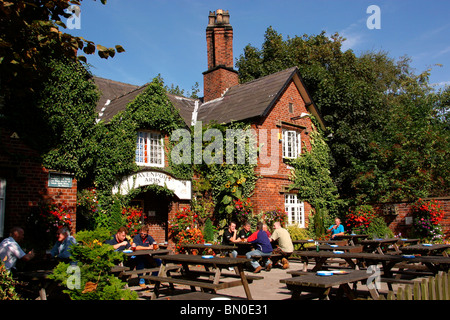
(268, 193)
(27, 182)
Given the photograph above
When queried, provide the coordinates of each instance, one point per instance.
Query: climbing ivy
(116, 141)
(223, 182)
(311, 174)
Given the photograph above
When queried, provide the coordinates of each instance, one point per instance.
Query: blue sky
(167, 37)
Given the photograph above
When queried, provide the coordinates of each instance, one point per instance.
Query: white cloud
(353, 34)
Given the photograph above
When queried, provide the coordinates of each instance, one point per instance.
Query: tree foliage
(30, 41)
(371, 104)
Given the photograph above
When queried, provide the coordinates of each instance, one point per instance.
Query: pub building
(275, 103)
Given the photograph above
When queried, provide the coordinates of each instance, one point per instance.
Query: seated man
(10, 250)
(61, 248)
(144, 241)
(285, 246)
(337, 229)
(118, 240)
(230, 237)
(245, 231)
(263, 248)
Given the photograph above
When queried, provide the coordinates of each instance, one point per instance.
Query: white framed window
(150, 149)
(295, 209)
(292, 144)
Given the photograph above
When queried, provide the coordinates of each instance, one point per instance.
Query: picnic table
(332, 247)
(402, 242)
(41, 278)
(362, 259)
(197, 295)
(216, 248)
(322, 284)
(379, 245)
(150, 253)
(426, 249)
(211, 278)
(321, 257)
(303, 242)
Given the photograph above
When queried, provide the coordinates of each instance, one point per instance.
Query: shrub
(243, 210)
(209, 231)
(270, 217)
(189, 236)
(8, 285)
(94, 260)
(359, 219)
(132, 217)
(379, 229)
(427, 216)
(184, 219)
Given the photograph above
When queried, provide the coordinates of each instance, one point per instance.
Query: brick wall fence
(399, 216)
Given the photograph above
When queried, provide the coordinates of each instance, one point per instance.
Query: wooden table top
(201, 260)
(150, 252)
(219, 247)
(314, 280)
(426, 248)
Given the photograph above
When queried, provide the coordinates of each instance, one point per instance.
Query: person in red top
(263, 248)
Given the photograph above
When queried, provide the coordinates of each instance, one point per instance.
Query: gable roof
(255, 98)
(244, 101)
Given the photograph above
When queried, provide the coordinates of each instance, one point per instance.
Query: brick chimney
(219, 40)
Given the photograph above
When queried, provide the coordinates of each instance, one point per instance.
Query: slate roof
(244, 101)
(111, 89)
(247, 100)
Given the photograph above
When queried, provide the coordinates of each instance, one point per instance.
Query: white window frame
(150, 149)
(295, 209)
(292, 144)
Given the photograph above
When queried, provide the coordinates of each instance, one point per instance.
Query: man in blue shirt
(336, 229)
(263, 248)
(144, 241)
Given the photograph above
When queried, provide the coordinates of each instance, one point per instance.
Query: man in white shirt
(10, 250)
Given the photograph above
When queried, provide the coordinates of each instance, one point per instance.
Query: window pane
(149, 149)
(295, 210)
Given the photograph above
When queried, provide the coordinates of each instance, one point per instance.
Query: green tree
(33, 49)
(360, 99)
(409, 156)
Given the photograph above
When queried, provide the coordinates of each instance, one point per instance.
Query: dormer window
(150, 149)
(291, 144)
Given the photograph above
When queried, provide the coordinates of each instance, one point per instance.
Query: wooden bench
(203, 284)
(128, 273)
(198, 273)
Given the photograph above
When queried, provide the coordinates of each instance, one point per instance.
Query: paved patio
(270, 288)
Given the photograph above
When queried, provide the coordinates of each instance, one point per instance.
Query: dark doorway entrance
(156, 206)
